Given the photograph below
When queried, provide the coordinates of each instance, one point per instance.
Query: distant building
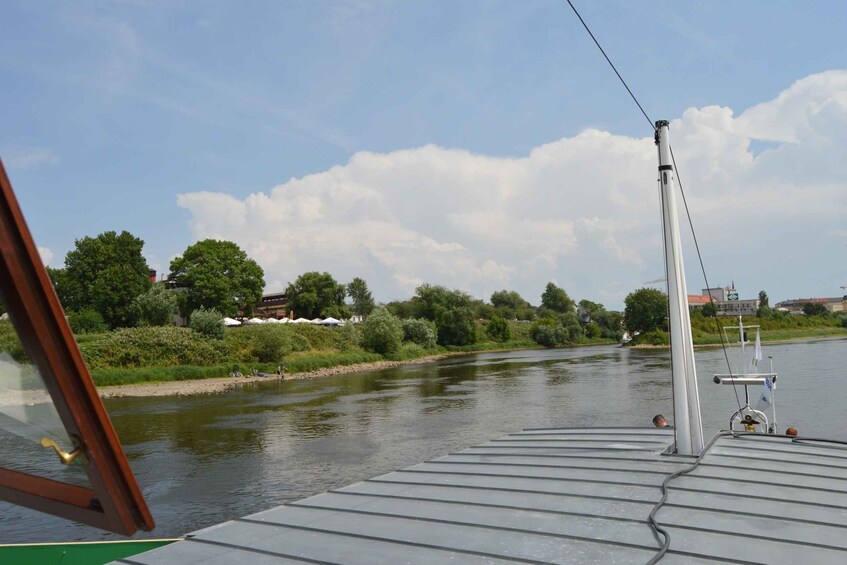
(835, 304)
(698, 301)
(273, 306)
(726, 301)
(738, 307)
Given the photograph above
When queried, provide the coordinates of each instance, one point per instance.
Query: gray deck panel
(332, 547)
(618, 445)
(777, 475)
(659, 467)
(750, 550)
(766, 458)
(190, 553)
(640, 432)
(548, 486)
(733, 504)
(596, 528)
(776, 528)
(559, 473)
(620, 509)
(776, 450)
(761, 490)
(565, 495)
(789, 468)
(486, 541)
(565, 453)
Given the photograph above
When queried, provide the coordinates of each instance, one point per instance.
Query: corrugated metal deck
(560, 496)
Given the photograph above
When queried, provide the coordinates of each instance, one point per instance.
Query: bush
(545, 335)
(87, 320)
(382, 332)
(207, 322)
(419, 331)
(553, 332)
(268, 343)
(350, 337)
(498, 329)
(10, 343)
(156, 307)
(151, 346)
(592, 330)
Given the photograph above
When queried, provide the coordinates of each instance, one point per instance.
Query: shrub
(207, 322)
(156, 307)
(498, 329)
(420, 331)
(382, 332)
(87, 320)
(592, 330)
(268, 343)
(552, 332)
(545, 335)
(350, 337)
(151, 346)
(10, 343)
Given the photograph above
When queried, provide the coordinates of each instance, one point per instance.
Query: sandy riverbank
(212, 386)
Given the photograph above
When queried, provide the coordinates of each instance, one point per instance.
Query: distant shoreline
(222, 384)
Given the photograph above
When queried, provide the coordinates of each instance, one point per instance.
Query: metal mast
(686, 401)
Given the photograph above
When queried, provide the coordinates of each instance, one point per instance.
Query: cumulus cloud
(581, 210)
(27, 158)
(46, 255)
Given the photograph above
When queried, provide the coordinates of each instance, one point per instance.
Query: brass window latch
(64, 456)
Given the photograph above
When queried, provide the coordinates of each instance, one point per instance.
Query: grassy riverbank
(157, 355)
(169, 354)
(706, 332)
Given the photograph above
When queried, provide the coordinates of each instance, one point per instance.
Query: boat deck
(560, 496)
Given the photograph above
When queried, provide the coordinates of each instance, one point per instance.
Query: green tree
(498, 329)
(87, 321)
(382, 332)
(812, 309)
(451, 310)
(104, 273)
(363, 300)
(709, 309)
(646, 309)
(313, 294)
(157, 306)
(556, 299)
(764, 309)
(401, 308)
(219, 275)
(512, 305)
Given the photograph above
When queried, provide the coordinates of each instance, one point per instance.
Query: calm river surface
(206, 459)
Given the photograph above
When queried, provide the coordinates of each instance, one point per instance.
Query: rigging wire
(706, 279)
(623, 82)
(654, 525)
(681, 190)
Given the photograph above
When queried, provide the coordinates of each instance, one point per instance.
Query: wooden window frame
(114, 502)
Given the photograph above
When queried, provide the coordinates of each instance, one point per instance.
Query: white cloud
(46, 255)
(27, 158)
(581, 210)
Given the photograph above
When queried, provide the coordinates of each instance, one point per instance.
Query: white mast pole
(687, 421)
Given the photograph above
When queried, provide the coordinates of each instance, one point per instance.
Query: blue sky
(480, 145)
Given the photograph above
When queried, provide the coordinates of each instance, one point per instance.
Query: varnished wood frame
(114, 502)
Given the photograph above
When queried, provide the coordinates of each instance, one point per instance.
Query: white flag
(757, 352)
(766, 396)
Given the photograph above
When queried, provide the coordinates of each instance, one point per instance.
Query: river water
(205, 459)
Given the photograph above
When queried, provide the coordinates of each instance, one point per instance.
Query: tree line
(105, 284)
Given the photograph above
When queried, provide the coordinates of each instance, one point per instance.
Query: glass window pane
(28, 416)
